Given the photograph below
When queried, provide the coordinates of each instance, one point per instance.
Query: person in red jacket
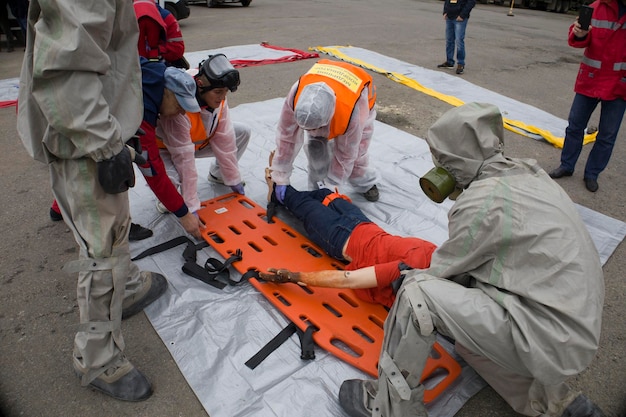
(375, 258)
(167, 91)
(601, 80)
(173, 49)
(152, 29)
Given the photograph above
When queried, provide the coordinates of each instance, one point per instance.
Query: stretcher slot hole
(377, 321)
(307, 290)
(311, 251)
(364, 335)
(348, 299)
(308, 322)
(234, 230)
(216, 238)
(338, 267)
(332, 310)
(270, 241)
(246, 204)
(255, 247)
(340, 344)
(249, 224)
(434, 378)
(282, 299)
(288, 233)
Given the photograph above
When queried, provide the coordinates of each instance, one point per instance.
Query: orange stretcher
(347, 327)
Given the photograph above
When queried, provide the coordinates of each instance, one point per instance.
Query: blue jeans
(455, 36)
(328, 226)
(611, 115)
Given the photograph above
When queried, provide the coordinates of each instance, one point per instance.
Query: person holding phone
(601, 80)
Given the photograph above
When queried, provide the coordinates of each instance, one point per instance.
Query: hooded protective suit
(518, 285)
(79, 101)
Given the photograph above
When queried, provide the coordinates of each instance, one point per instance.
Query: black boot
(138, 232)
(582, 407)
(153, 286)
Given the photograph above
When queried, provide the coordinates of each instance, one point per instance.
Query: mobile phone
(584, 16)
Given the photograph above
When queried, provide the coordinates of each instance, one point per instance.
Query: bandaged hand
(280, 276)
(280, 191)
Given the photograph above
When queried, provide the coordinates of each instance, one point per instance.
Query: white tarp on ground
(443, 85)
(245, 54)
(211, 333)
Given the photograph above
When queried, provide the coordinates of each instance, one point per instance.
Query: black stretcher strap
(271, 346)
(307, 344)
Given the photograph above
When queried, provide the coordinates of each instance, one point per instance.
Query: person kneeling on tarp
(518, 284)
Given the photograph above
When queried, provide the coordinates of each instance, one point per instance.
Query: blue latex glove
(238, 189)
(280, 193)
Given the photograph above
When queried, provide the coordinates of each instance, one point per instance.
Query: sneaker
(153, 286)
(161, 208)
(122, 381)
(447, 65)
(216, 180)
(460, 68)
(372, 194)
(55, 216)
(354, 397)
(138, 232)
(212, 178)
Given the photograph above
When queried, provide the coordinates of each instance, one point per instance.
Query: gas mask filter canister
(437, 184)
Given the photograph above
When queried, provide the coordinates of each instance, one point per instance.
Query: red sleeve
(150, 33)
(174, 46)
(156, 176)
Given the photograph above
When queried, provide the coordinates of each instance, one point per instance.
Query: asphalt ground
(525, 57)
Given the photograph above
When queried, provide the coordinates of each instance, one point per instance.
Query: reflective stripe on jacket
(602, 72)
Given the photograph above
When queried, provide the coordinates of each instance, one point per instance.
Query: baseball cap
(184, 88)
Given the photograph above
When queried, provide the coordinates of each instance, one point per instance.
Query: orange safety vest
(347, 81)
(198, 131)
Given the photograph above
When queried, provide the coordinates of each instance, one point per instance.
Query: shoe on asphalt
(138, 232)
(447, 65)
(372, 194)
(560, 172)
(460, 68)
(122, 382)
(55, 216)
(153, 286)
(582, 407)
(354, 397)
(592, 185)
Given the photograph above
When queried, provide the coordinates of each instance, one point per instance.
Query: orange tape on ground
(348, 327)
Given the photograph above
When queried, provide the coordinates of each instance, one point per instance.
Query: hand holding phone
(584, 16)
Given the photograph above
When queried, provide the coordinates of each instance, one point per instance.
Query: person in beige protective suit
(80, 100)
(518, 284)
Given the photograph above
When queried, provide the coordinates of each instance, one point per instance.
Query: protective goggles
(220, 73)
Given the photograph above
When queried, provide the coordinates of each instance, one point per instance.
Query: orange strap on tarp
(348, 327)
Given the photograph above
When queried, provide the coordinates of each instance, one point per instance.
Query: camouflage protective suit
(518, 285)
